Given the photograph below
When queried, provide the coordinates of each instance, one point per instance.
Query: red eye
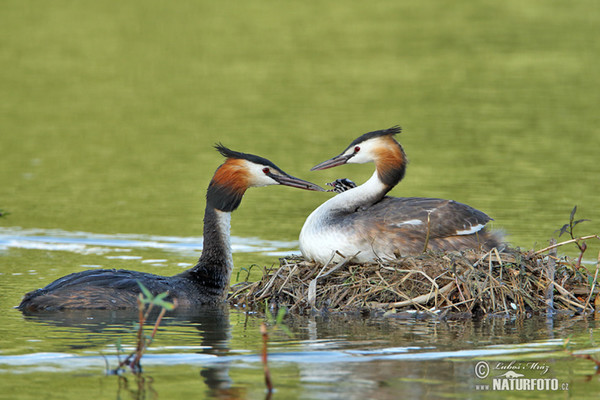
(266, 170)
(356, 149)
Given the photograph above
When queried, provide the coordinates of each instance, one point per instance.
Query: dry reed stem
(593, 286)
(567, 242)
(419, 299)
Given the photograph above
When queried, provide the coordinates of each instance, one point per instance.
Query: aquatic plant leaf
(247, 270)
(160, 301)
(161, 296)
(286, 330)
(165, 304)
(563, 229)
(280, 314)
(145, 291)
(573, 213)
(580, 220)
(268, 314)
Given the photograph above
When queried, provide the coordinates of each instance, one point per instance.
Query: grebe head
(370, 147)
(241, 171)
(379, 147)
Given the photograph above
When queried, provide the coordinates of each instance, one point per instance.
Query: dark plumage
(207, 283)
(408, 222)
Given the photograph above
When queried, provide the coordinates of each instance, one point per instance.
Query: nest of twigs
(494, 282)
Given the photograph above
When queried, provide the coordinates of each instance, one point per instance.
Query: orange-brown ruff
(206, 283)
(232, 175)
(364, 220)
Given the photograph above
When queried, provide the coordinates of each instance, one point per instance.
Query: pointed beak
(289, 180)
(332, 162)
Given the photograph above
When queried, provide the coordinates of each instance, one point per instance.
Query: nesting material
(508, 282)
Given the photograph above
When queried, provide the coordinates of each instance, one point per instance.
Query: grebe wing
(413, 215)
(94, 289)
(110, 278)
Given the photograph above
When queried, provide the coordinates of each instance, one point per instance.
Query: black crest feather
(394, 130)
(228, 153)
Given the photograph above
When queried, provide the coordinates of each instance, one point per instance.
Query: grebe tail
(207, 282)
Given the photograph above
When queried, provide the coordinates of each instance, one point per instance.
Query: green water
(109, 110)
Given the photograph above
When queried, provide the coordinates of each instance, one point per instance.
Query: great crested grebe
(205, 283)
(364, 220)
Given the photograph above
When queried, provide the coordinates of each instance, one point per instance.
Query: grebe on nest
(205, 283)
(364, 220)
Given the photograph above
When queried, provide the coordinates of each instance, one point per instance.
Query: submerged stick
(141, 342)
(265, 340)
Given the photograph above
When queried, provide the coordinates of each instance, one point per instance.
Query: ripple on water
(67, 361)
(99, 244)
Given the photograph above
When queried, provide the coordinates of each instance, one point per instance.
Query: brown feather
(233, 174)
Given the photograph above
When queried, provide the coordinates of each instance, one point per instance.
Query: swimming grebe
(364, 220)
(205, 283)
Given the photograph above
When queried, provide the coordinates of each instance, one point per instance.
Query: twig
(428, 231)
(587, 302)
(566, 242)
(287, 278)
(312, 286)
(491, 287)
(338, 266)
(420, 299)
(550, 271)
(264, 291)
(133, 359)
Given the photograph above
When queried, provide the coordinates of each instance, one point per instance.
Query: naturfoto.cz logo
(512, 378)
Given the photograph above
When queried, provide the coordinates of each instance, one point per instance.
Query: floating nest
(505, 282)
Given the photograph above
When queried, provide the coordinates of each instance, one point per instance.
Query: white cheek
(365, 154)
(359, 158)
(257, 176)
(262, 180)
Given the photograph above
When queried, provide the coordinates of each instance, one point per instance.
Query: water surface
(214, 353)
(108, 117)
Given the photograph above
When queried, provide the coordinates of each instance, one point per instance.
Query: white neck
(224, 223)
(319, 234)
(216, 241)
(364, 195)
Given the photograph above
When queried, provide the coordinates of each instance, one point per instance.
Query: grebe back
(207, 282)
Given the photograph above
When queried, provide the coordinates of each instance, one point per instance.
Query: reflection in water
(392, 356)
(212, 323)
(143, 387)
(332, 356)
